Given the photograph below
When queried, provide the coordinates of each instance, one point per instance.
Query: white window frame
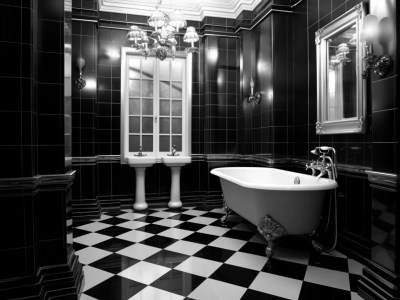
(186, 106)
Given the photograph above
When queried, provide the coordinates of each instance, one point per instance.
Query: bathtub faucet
(324, 164)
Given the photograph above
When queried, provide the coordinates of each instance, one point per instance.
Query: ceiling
(194, 10)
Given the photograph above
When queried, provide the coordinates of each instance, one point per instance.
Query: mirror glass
(341, 89)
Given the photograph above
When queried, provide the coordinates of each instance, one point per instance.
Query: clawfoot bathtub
(278, 202)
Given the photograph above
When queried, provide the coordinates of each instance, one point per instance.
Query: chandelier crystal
(163, 39)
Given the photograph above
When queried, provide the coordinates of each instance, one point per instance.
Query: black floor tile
(167, 258)
(200, 238)
(114, 263)
(253, 248)
(212, 215)
(113, 221)
(255, 295)
(354, 278)
(78, 246)
(329, 262)
(239, 234)
(190, 226)
(182, 217)
(115, 288)
(285, 268)
(113, 245)
(234, 275)
(152, 228)
(113, 231)
(215, 253)
(178, 282)
(158, 241)
(227, 224)
(311, 291)
(148, 219)
(78, 232)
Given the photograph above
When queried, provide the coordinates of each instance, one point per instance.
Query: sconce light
(80, 82)
(371, 32)
(254, 97)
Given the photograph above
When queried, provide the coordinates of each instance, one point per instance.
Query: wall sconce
(80, 82)
(375, 31)
(254, 97)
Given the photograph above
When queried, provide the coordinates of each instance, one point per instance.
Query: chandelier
(163, 40)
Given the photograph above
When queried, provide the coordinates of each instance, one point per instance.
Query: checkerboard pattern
(188, 254)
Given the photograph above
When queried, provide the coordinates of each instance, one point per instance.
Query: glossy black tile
(148, 219)
(285, 268)
(178, 282)
(239, 234)
(153, 228)
(311, 291)
(159, 241)
(215, 253)
(327, 261)
(167, 258)
(200, 238)
(115, 288)
(190, 226)
(113, 245)
(234, 275)
(252, 295)
(113, 221)
(114, 263)
(253, 248)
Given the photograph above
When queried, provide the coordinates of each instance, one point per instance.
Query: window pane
(164, 89)
(134, 88)
(176, 70)
(164, 70)
(134, 68)
(164, 125)
(147, 69)
(177, 90)
(177, 108)
(177, 141)
(147, 125)
(176, 125)
(134, 143)
(147, 107)
(164, 108)
(164, 143)
(134, 106)
(147, 143)
(134, 124)
(147, 86)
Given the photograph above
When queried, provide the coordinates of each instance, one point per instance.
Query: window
(155, 104)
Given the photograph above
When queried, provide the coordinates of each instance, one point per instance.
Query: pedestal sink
(175, 163)
(140, 163)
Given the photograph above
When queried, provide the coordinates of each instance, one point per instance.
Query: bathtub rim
(325, 183)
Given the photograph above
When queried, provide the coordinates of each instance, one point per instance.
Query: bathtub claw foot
(271, 230)
(227, 213)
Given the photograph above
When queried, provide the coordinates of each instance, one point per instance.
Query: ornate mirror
(341, 88)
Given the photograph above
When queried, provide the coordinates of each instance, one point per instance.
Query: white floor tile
(132, 224)
(163, 214)
(202, 220)
(355, 267)
(332, 278)
(176, 233)
(131, 215)
(292, 255)
(139, 251)
(91, 254)
(135, 236)
(217, 290)
(155, 294)
(94, 276)
(245, 227)
(93, 227)
(199, 266)
(194, 212)
(218, 210)
(144, 272)
(86, 297)
(277, 285)
(185, 247)
(228, 243)
(214, 230)
(102, 218)
(355, 296)
(91, 239)
(168, 222)
(246, 260)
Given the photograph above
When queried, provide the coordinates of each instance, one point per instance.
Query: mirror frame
(347, 125)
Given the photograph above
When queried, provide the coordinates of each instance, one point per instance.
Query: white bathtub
(255, 193)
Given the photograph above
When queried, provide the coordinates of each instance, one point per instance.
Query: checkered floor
(165, 254)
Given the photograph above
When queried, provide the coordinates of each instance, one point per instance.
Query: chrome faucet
(173, 152)
(324, 164)
(140, 153)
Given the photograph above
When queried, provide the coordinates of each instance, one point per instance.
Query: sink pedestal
(140, 195)
(175, 198)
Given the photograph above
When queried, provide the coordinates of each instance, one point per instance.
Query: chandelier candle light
(163, 40)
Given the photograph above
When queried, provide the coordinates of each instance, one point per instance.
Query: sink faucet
(140, 152)
(324, 164)
(173, 152)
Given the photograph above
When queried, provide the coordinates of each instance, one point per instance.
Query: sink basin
(176, 161)
(141, 161)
